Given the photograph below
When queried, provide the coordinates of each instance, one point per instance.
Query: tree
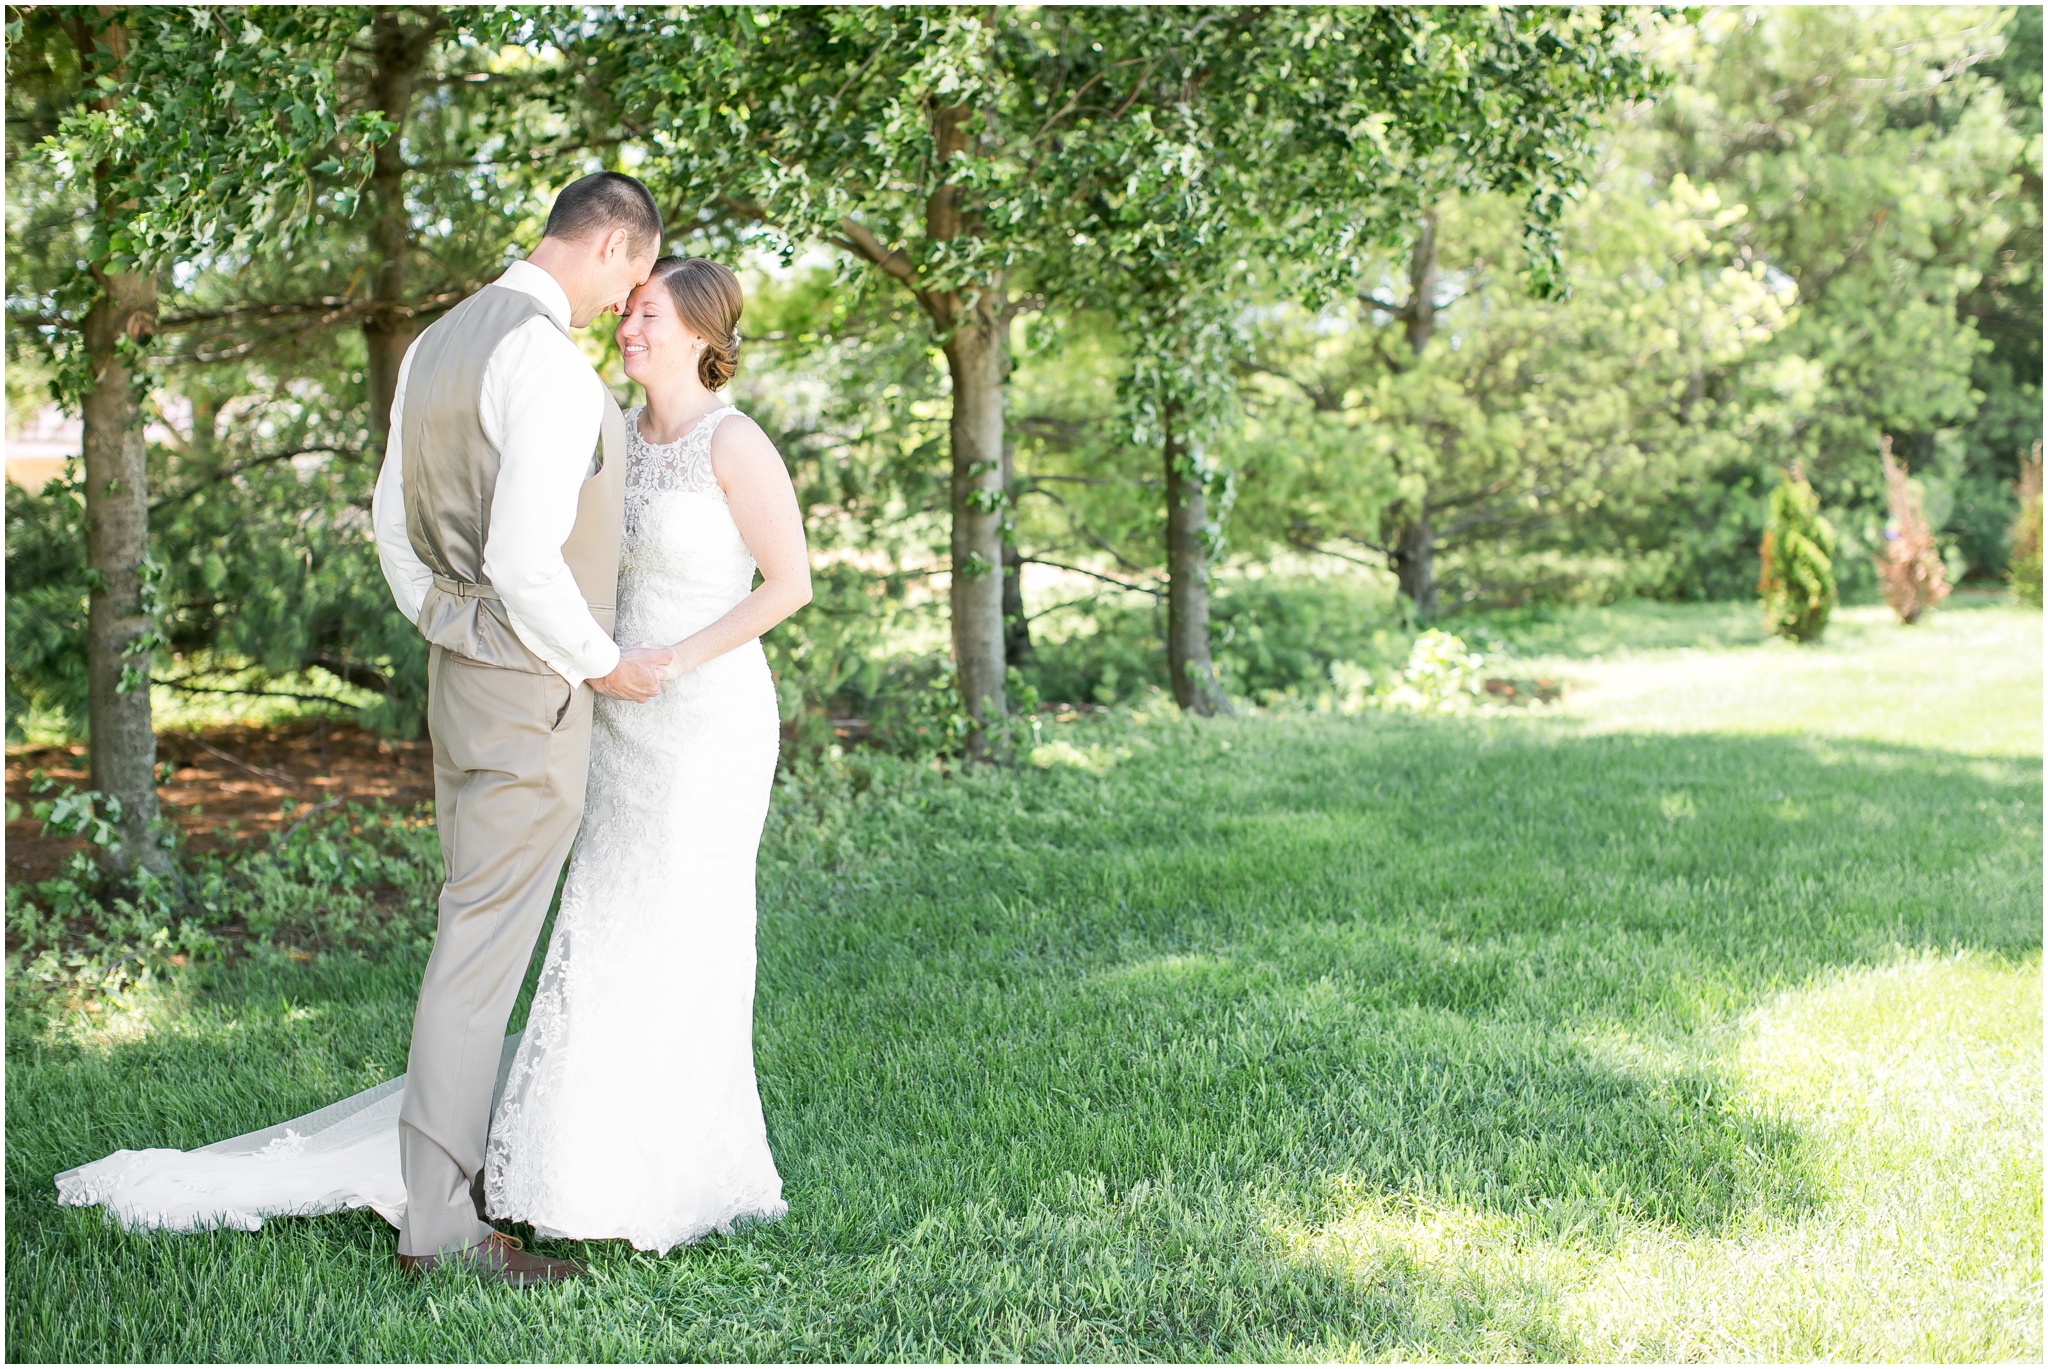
(267, 398)
(191, 130)
(1883, 173)
(905, 137)
(2005, 308)
(961, 153)
(271, 585)
(1798, 579)
(1531, 446)
(1211, 138)
(400, 44)
(1910, 569)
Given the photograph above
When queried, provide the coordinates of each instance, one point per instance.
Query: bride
(628, 1107)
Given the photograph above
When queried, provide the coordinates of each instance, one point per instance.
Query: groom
(497, 517)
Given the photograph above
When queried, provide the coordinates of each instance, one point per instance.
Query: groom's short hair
(601, 202)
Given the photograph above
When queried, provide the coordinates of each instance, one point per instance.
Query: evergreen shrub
(1798, 580)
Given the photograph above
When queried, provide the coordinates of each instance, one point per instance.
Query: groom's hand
(637, 677)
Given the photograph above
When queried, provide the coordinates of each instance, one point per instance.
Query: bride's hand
(677, 667)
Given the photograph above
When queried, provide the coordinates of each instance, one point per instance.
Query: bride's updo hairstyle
(709, 299)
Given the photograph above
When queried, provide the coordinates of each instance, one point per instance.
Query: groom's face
(620, 268)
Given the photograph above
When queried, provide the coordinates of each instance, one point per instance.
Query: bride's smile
(661, 351)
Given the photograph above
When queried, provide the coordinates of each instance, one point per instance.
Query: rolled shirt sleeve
(542, 407)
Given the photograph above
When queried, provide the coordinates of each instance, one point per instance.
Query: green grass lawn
(1698, 1017)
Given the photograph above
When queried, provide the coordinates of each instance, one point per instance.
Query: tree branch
(361, 676)
(1093, 575)
(1319, 399)
(182, 687)
(865, 245)
(1101, 544)
(1322, 550)
(230, 472)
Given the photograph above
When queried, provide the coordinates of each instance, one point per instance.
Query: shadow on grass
(1055, 1063)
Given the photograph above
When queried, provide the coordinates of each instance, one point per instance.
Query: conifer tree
(1798, 580)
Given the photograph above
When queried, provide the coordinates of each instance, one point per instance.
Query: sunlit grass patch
(103, 1022)
(1916, 1088)
(1914, 1091)
(1967, 678)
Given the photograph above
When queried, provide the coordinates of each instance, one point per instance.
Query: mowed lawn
(1697, 1018)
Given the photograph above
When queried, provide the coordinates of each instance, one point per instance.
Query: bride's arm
(763, 504)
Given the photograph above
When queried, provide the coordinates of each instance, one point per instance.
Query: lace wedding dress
(631, 1108)
(628, 1107)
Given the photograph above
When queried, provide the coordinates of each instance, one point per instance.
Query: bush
(2024, 569)
(1272, 639)
(46, 604)
(354, 877)
(1277, 639)
(1798, 581)
(1114, 653)
(1910, 569)
(1441, 676)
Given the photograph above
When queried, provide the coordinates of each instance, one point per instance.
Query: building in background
(37, 451)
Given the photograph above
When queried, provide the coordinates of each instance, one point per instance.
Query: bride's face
(659, 347)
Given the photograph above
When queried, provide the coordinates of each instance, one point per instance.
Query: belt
(462, 589)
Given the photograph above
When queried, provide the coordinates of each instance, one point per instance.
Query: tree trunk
(1420, 322)
(388, 326)
(1415, 564)
(116, 542)
(121, 738)
(975, 356)
(973, 326)
(1016, 625)
(1414, 541)
(1195, 687)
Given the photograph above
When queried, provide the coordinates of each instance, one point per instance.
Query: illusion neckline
(640, 409)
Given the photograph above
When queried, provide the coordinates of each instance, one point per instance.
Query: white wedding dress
(628, 1106)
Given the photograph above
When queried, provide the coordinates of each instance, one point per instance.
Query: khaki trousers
(511, 750)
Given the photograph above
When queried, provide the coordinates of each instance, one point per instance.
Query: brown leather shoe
(497, 1258)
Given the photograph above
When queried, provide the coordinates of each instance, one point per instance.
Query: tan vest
(451, 472)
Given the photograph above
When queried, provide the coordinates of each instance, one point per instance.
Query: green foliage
(1442, 675)
(1798, 578)
(199, 132)
(1275, 638)
(210, 139)
(1551, 444)
(2025, 567)
(262, 452)
(1767, 261)
(1888, 164)
(46, 600)
(350, 878)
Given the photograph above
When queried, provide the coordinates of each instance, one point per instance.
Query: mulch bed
(229, 784)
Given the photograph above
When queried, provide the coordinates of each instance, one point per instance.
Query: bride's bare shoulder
(738, 442)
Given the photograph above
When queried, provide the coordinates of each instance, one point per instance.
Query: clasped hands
(640, 673)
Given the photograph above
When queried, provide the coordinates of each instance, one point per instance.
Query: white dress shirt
(542, 407)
